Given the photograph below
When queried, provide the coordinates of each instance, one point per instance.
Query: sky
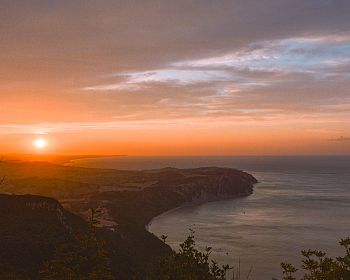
(195, 77)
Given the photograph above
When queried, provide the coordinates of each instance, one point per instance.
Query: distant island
(126, 201)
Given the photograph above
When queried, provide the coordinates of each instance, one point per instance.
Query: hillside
(126, 202)
(30, 229)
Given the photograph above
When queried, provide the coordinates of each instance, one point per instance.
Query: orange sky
(166, 78)
(181, 138)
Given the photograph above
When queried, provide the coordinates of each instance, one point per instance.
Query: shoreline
(191, 204)
(149, 193)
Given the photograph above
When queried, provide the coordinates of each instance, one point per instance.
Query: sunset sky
(195, 77)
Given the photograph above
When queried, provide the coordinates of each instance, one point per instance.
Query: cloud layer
(80, 65)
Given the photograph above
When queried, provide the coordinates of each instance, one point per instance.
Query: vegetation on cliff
(190, 264)
(316, 265)
(86, 258)
(41, 240)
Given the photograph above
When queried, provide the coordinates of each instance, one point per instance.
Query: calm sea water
(299, 203)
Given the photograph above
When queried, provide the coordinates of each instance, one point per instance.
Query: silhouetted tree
(190, 264)
(317, 266)
(84, 259)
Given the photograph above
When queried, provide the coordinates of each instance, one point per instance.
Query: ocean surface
(299, 203)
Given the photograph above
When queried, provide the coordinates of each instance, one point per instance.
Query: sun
(40, 143)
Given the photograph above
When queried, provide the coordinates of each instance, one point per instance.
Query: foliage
(85, 259)
(190, 264)
(318, 266)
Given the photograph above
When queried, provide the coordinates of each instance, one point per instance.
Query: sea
(300, 203)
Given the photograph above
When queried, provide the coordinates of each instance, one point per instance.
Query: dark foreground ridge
(30, 229)
(32, 226)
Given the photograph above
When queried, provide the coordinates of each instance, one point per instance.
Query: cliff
(208, 184)
(30, 229)
(173, 188)
(127, 201)
(33, 227)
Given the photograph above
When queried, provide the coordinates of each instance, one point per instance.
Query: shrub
(317, 266)
(190, 264)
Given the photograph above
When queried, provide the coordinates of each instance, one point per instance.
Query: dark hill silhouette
(30, 229)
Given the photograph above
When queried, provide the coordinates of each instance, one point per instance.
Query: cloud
(166, 60)
(295, 75)
(340, 139)
(176, 77)
(305, 54)
(48, 128)
(124, 86)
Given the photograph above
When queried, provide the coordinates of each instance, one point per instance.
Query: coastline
(191, 204)
(131, 199)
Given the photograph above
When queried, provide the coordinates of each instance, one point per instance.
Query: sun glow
(40, 143)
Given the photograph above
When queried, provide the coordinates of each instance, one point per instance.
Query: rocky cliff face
(32, 205)
(220, 184)
(173, 188)
(30, 229)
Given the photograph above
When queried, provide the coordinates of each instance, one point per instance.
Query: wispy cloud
(257, 65)
(123, 86)
(172, 76)
(340, 139)
(47, 128)
(300, 54)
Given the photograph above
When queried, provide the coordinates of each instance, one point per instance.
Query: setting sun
(40, 143)
(128, 128)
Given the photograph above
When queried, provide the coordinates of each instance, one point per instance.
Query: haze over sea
(300, 202)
